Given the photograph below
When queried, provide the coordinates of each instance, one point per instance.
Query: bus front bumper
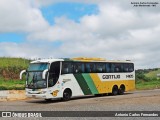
(36, 95)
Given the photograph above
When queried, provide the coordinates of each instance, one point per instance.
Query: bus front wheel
(48, 100)
(67, 94)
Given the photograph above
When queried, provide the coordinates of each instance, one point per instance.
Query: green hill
(147, 79)
(153, 74)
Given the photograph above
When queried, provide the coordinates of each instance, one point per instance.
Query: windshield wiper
(32, 81)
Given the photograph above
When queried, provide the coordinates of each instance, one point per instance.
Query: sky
(111, 29)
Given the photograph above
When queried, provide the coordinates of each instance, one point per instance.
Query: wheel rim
(121, 91)
(66, 95)
(115, 91)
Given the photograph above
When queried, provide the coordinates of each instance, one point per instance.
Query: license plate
(33, 96)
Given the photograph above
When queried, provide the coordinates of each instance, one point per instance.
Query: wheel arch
(122, 86)
(67, 94)
(115, 86)
(115, 90)
(67, 89)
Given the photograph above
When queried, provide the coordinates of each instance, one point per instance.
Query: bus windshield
(35, 81)
(34, 76)
(38, 66)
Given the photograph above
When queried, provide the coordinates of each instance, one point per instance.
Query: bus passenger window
(131, 67)
(90, 67)
(67, 68)
(108, 67)
(118, 67)
(112, 67)
(128, 67)
(125, 67)
(100, 67)
(78, 67)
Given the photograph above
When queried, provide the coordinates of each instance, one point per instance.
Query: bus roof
(46, 60)
(85, 59)
(80, 59)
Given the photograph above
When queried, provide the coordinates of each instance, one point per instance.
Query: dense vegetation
(11, 67)
(9, 72)
(147, 78)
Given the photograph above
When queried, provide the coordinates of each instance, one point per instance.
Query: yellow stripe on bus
(98, 83)
(106, 86)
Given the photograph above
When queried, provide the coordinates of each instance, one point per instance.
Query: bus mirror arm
(21, 73)
(44, 73)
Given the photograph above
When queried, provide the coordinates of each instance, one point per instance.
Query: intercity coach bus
(68, 77)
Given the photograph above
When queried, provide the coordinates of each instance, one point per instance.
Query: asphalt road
(147, 100)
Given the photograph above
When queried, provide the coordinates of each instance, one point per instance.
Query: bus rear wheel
(115, 90)
(67, 95)
(121, 90)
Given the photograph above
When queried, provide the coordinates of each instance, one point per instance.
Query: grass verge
(143, 85)
(12, 84)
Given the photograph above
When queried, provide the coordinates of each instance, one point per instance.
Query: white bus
(65, 78)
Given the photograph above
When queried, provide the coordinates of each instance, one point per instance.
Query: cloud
(20, 16)
(111, 21)
(28, 50)
(42, 3)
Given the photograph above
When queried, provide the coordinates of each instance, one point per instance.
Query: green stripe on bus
(81, 81)
(90, 83)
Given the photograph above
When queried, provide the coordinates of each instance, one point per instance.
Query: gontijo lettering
(111, 76)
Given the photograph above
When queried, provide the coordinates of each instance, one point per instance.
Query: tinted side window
(90, 68)
(108, 67)
(78, 67)
(125, 67)
(116, 67)
(67, 67)
(131, 67)
(112, 67)
(128, 67)
(100, 67)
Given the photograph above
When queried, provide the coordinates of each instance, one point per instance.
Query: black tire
(121, 90)
(48, 100)
(67, 95)
(115, 90)
(98, 95)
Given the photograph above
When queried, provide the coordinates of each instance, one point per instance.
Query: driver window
(54, 73)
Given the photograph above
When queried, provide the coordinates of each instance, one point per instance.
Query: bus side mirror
(21, 73)
(44, 73)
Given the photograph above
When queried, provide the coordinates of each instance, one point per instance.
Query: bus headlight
(43, 92)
